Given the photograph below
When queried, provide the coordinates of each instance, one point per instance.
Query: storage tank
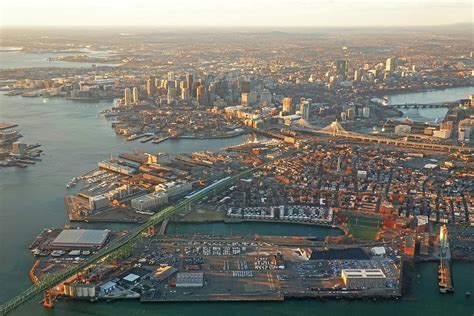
(91, 291)
(79, 291)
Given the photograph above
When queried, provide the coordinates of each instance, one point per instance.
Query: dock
(445, 277)
(160, 140)
(4, 126)
(146, 139)
(444, 270)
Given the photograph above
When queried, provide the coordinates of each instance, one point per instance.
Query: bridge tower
(48, 299)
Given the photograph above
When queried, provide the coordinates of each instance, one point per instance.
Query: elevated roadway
(335, 129)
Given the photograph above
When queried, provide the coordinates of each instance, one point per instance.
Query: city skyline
(213, 13)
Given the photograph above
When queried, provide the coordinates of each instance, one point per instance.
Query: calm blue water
(429, 115)
(435, 96)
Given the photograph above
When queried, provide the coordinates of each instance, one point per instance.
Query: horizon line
(234, 26)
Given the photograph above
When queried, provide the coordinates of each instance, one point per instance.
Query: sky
(205, 13)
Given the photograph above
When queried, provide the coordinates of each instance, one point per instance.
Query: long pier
(444, 270)
(445, 276)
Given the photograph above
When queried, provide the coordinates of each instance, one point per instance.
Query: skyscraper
(287, 105)
(170, 95)
(150, 87)
(305, 106)
(185, 94)
(265, 98)
(390, 64)
(201, 94)
(127, 97)
(245, 86)
(135, 95)
(342, 67)
(189, 83)
(358, 74)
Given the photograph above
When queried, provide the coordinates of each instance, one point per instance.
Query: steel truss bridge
(124, 242)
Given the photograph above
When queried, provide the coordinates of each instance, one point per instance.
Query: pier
(444, 270)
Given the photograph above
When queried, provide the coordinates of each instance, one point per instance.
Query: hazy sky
(235, 12)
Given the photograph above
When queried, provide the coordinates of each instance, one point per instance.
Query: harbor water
(18, 59)
(74, 138)
(427, 97)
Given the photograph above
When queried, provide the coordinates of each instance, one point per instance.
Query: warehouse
(188, 279)
(150, 201)
(363, 278)
(81, 238)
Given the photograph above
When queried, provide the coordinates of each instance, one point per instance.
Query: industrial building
(81, 238)
(190, 279)
(98, 202)
(173, 188)
(150, 201)
(128, 171)
(363, 278)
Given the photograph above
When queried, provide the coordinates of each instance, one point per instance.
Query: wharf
(33, 146)
(4, 126)
(28, 161)
(146, 139)
(445, 276)
(134, 137)
(160, 140)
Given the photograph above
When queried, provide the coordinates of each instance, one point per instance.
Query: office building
(305, 106)
(366, 112)
(390, 65)
(185, 94)
(150, 87)
(265, 98)
(249, 98)
(342, 67)
(363, 278)
(245, 85)
(135, 95)
(170, 95)
(189, 83)
(150, 201)
(287, 105)
(358, 75)
(201, 95)
(127, 96)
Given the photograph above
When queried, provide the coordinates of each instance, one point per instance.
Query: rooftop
(80, 238)
(363, 273)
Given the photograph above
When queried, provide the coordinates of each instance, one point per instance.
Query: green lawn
(363, 232)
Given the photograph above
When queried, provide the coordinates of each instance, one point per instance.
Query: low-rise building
(190, 279)
(150, 201)
(363, 278)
